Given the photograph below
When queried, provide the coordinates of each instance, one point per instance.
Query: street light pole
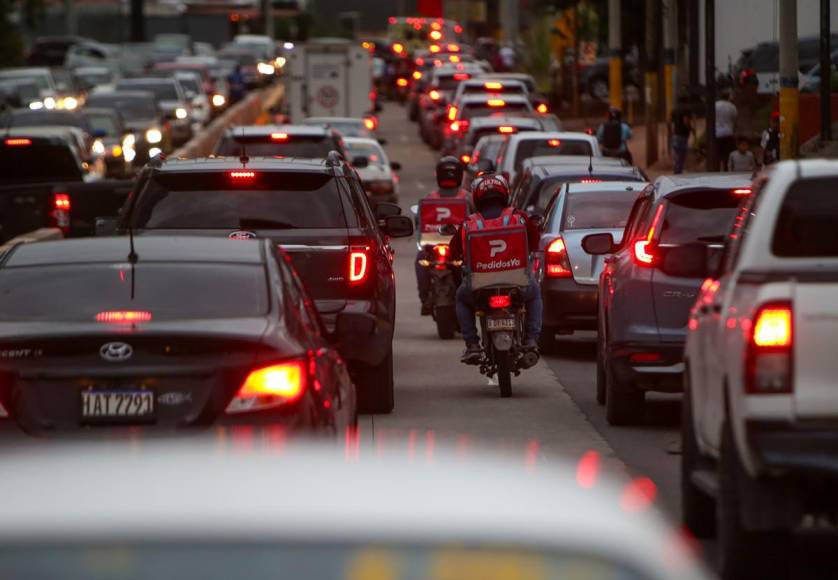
(789, 91)
(670, 41)
(826, 73)
(710, 83)
(615, 48)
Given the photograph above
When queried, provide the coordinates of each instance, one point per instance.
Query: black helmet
(490, 187)
(614, 114)
(449, 172)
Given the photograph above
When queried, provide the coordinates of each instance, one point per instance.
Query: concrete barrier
(245, 112)
(39, 235)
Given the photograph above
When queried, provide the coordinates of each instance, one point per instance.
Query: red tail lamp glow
(554, 142)
(506, 129)
(455, 127)
(398, 48)
(643, 254)
(493, 86)
(270, 386)
(591, 181)
(646, 357)
(402, 82)
(124, 316)
(542, 108)
(18, 142)
(242, 174)
(417, 75)
(496, 103)
(500, 301)
(441, 251)
(453, 48)
(587, 471)
(638, 495)
(462, 77)
(370, 123)
(465, 158)
(458, 29)
(773, 327)
(435, 35)
(434, 48)
(453, 58)
(61, 201)
(279, 136)
(357, 266)
(742, 191)
(434, 95)
(452, 113)
(557, 262)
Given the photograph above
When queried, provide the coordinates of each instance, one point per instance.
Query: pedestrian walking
(742, 158)
(682, 127)
(770, 142)
(726, 115)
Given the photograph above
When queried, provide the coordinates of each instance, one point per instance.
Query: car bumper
(802, 449)
(569, 305)
(649, 366)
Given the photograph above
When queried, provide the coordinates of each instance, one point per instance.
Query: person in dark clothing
(491, 197)
(770, 142)
(682, 127)
(237, 86)
(614, 136)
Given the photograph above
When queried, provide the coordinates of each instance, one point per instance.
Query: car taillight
(242, 174)
(542, 108)
(494, 103)
(554, 142)
(441, 253)
(644, 250)
(123, 316)
(492, 86)
(360, 253)
(452, 113)
(371, 123)
(768, 364)
(398, 48)
(743, 191)
(417, 75)
(60, 211)
(270, 386)
(279, 136)
(434, 95)
(462, 76)
(17, 142)
(506, 129)
(401, 82)
(500, 301)
(556, 261)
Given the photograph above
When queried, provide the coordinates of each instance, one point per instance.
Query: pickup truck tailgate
(815, 329)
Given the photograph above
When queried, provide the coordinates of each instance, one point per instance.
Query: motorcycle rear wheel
(446, 322)
(503, 360)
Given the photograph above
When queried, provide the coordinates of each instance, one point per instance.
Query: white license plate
(500, 324)
(117, 404)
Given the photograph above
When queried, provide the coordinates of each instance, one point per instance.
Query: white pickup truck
(760, 429)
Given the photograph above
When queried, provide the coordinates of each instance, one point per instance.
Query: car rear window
(221, 201)
(131, 108)
(161, 91)
(44, 119)
(806, 224)
(477, 134)
(317, 147)
(38, 162)
(549, 147)
(598, 209)
(548, 188)
(482, 110)
(450, 83)
(699, 216)
(180, 291)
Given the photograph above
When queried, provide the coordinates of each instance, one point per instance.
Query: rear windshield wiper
(261, 223)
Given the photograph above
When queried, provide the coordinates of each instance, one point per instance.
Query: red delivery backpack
(435, 211)
(496, 251)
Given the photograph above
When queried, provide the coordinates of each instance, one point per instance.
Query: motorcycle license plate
(500, 324)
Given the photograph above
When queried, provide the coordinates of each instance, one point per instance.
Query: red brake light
(279, 136)
(458, 29)
(554, 142)
(496, 103)
(773, 327)
(61, 201)
(434, 95)
(434, 48)
(441, 250)
(435, 35)
(60, 212)
(453, 48)
(452, 113)
(358, 265)
(500, 301)
(556, 260)
(591, 181)
(462, 76)
(769, 358)
(242, 174)
(643, 249)
(370, 123)
(542, 108)
(417, 75)
(506, 129)
(270, 386)
(18, 142)
(742, 191)
(124, 316)
(493, 86)
(402, 82)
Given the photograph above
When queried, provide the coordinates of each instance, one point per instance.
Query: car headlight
(36, 105)
(154, 151)
(49, 103)
(98, 147)
(265, 68)
(218, 100)
(153, 136)
(180, 113)
(70, 103)
(279, 62)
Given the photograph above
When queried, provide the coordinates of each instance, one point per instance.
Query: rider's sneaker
(472, 354)
(530, 344)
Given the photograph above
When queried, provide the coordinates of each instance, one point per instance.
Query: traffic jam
(371, 309)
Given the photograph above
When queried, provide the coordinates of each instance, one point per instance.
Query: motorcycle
(444, 281)
(501, 318)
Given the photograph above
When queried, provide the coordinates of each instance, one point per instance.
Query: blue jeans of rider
(423, 277)
(466, 307)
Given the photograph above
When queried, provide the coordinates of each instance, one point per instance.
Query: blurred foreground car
(570, 274)
(334, 517)
(180, 333)
(378, 173)
(644, 299)
(760, 403)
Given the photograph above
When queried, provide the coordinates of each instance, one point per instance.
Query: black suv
(317, 211)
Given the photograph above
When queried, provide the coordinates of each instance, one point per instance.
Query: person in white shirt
(726, 114)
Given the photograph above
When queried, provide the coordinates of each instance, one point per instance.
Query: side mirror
(360, 162)
(687, 261)
(395, 166)
(398, 226)
(383, 210)
(448, 229)
(598, 244)
(486, 166)
(105, 226)
(382, 141)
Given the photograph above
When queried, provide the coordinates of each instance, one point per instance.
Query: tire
(375, 387)
(504, 363)
(744, 554)
(623, 405)
(600, 371)
(446, 322)
(698, 508)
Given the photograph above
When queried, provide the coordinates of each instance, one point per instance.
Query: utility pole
(789, 92)
(693, 17)
(268, 14)
(826, 74)
(710, 83)
(137, 20)
(70, 21)
(670, 54)
(652, 81)
(615, 49)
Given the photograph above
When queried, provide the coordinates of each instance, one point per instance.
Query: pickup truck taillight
(768, 363)
(60, 211)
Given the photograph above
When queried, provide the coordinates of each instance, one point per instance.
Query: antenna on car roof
(591, 164)
(243, 158)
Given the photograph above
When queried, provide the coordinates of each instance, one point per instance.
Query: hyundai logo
(116, 351)
(241, 235)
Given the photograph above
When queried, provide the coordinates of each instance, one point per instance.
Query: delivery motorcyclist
(449, 204)
(614, 136)
(491, 198)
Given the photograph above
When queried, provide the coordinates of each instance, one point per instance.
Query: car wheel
(600, 370)
(375, 387)
(698, 508)
(744, 554)
(623, 404)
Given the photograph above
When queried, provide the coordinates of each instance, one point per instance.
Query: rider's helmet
(490, 188)
(614, 114)
(449, 172)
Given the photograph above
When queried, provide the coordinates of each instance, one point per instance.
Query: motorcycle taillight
(441, 253)
(500, 301)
